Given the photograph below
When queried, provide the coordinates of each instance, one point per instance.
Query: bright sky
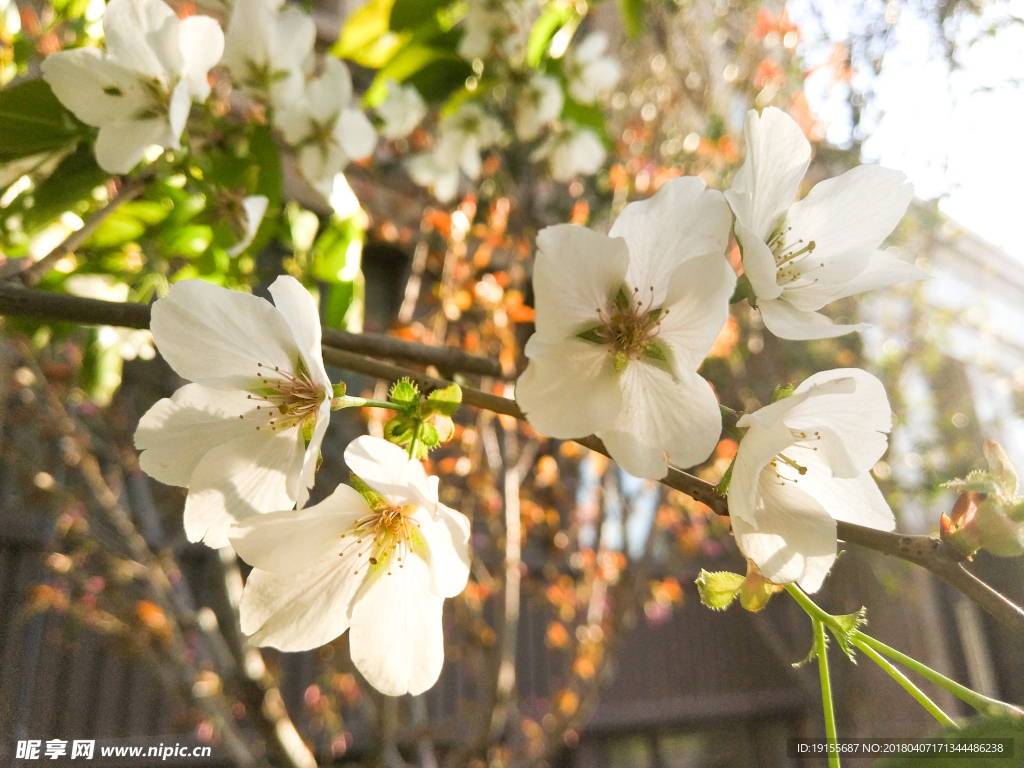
(960, 134)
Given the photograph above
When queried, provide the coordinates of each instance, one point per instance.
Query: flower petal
(662, 415)
(143, 35)
(758, 264)
(576, 274)
(854, 500)
(882, 271)
(697, 304)
(761, 444)
(355, 133)
(299, 611)
(97, 90)
(288, 541)
(300, 311)
(682, 220)
(120, 146)
(396, 639)
(219, 337)
(785, 321)
(294, 38)
(388, 470)
(447, 536)
(177, 432)
(241, 478)
(777, 159)
(202, 45)
(570, 388)
(795, 540)
(848, 217)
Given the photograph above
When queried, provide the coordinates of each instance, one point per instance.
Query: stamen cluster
(293, 395)
(392, 534)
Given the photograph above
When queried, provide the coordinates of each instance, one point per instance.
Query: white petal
(143, 35)
(777, 159)
(294, 38)
(682, 220)
(96, 89)
(855, 423)
(299, 611)
(447, 537)
(120, 146)
(177, 113)
(218, 337)
(247, 41)
(848, 217)
(238, 479)
(202, 45)
(662, 416)
(255, 207)
(332, 91)
(697, 300)
(796, 539)
(177, 432)
(311, 458)
(758, 264)
(299, 309)
(570, 388)
(576, 274)
(294, 123)
(356, 135)
(396, 639)
(854, 500)
(787, 322)
(388, 470)
(289, 540)
(762, 443)
(882, 271)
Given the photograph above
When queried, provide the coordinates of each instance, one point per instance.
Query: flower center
(793, 260)
(630, 328)
(785, 469)
(384, 538)
(294, 397)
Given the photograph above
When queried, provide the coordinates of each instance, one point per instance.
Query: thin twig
(925, 551)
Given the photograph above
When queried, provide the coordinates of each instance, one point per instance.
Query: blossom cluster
(625, 320)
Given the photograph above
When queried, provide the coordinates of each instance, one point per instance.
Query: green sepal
(377, 502)
(428, 436)
(339, 389)
(308, 427)
(1000, 468)
(718, 590)
(811, 656)
(652, 350)
(623, 299)
(445, 401)
(400, 429)
(744, 290)
(755, 592)
(848, 624)
(599, 334)
(405, 393)
(319, 460)
(722, 489)
(977, 481)
(782, 391)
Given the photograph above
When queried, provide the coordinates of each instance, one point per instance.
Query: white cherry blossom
(498, 28)
(460, 140)
(539, 103)
(254, 207)
(325, 127)
(571, 151)
(623, 323)
(801, 256)
(402, 110)
(590, 73)
(140, 90)
(245, 437)
(268, 49)
(377, 562)
(805, 463)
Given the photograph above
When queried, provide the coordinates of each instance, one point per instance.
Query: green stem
(415, 439)
(347, 401)
(826, 689)
(984, 704)
(909, 686)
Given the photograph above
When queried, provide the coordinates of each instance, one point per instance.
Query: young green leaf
(718, 590)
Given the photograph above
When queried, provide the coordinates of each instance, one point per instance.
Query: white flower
(805, 463)
(570, 152)
(268, 50)
(801, 256)
(377, 563)
(623, 323)
(255, 208)
(402, 110)
(460, 140)
(139, 92)
(245, 437)
(590, 73)
(325, 127)
(498, 27)
(539, 104)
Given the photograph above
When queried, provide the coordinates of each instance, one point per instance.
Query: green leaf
(718, 590)
(263, 150)
(848, 624)
(377, 502)
(976, 482)
(189, 241)
(35, 121)
(409, 14)
(1000, 467)
(445, 401)
(544, 28)
(344, 305)
(400, 429)
(147, 211)
(367, 38)
(118, 228)
(71, 181)
(404, 392)
(435, 71)
(587, 116)
(337, 252)
(632, 12)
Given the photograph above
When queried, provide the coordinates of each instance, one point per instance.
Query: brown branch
(47, 305)
(925, 551)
